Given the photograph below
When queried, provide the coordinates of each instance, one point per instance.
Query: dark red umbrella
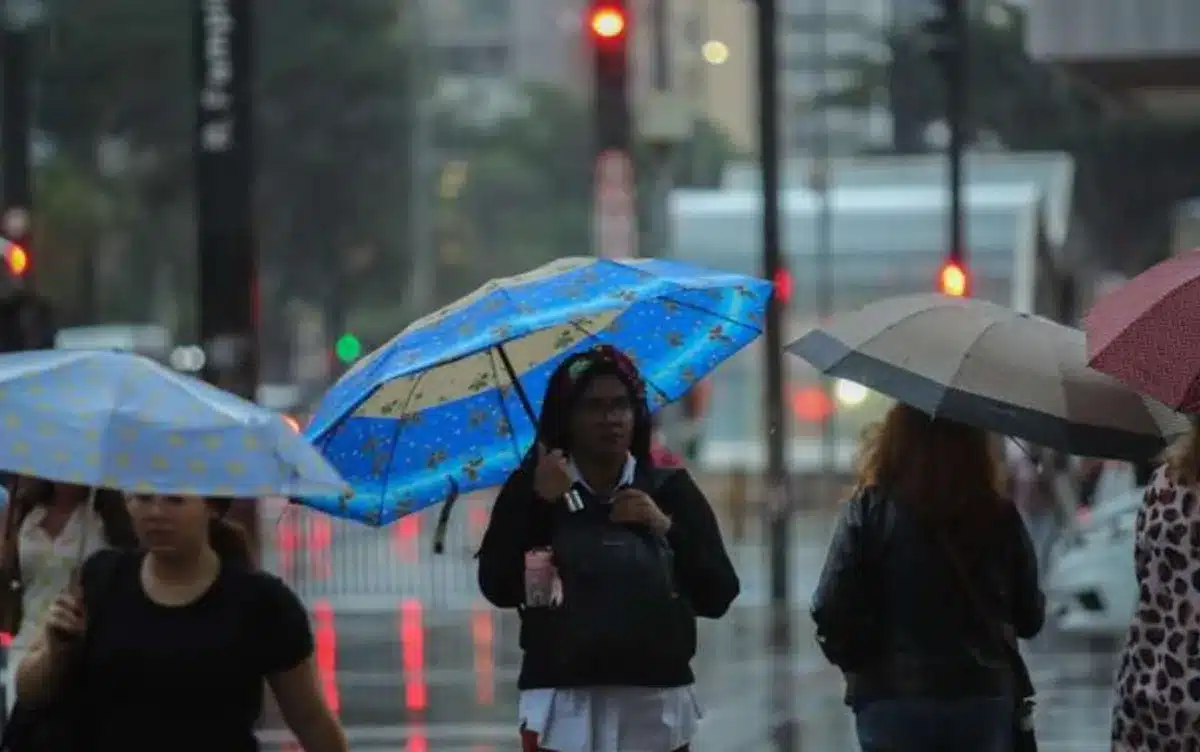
(1146, 333)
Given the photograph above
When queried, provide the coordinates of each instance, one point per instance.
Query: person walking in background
(1157, 703)
(609, 561)
(50, 529)
(926, 543)
(168, 647)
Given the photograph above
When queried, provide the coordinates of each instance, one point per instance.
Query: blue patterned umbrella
(121, 421)
(434, 412)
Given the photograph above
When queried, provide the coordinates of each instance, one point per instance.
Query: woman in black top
(924, 672)
(169, 646)
(594, 440)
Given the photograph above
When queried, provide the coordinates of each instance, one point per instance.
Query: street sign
(614, 213)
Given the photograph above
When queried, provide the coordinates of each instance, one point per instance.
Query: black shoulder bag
(1024, 739)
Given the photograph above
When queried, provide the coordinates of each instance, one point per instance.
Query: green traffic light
(348, 348)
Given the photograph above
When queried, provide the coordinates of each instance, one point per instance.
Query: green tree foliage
(1130, 169)
(526, 197)
(331, 121)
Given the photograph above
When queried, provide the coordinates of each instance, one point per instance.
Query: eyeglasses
(602, 408)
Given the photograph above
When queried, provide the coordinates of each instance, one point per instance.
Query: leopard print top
(1158, 680)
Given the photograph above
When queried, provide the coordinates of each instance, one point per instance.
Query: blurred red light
(412, 642)
(608, 23)
(811, 404)
(784, 286)
(482, 634)
(325, 634)
(954, 280)
(17, 259)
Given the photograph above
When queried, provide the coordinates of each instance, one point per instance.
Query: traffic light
(945, 34)
(348, 348)
(608, 33)
(16, 258)
(784, 286)
(954, 280)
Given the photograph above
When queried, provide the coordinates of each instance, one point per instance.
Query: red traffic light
(607, 22)
(17, 259)
(784, 286)
(954, 280)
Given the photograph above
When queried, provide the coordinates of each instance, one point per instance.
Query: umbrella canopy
(989, 366)
(121, 421)
(449, 404)
(1145, 332)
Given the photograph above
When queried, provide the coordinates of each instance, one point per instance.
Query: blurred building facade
(1146, 52)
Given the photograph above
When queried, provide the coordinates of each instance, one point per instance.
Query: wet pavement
(415, 661)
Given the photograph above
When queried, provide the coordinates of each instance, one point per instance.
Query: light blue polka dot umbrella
(118, 420)
(447, 406)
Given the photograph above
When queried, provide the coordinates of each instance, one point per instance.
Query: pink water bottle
(542, 586)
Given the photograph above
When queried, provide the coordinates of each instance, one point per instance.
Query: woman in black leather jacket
(924, 671)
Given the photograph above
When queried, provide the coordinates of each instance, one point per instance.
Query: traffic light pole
(955, 71)
(226, 243)
(15, 130)
(614, 215)
(778, 500)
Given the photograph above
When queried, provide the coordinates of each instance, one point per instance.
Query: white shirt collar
(627, 473)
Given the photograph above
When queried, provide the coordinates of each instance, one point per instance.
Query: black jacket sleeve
(706, 575)
(502, 551)
(839, 594)
(1029, 602)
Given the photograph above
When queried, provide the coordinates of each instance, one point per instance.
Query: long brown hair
(115, 523)
(945, 470)
(1183, 457)
(227, 537)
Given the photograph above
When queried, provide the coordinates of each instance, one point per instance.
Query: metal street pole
(825, 260)
(19, 18)
(422, 287)
(659, 226)
(225, 239)
(956, 100)
(778, 497)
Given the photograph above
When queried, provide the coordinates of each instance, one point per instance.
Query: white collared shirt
(611, 719)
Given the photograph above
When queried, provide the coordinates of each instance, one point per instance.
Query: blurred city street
(415, 661)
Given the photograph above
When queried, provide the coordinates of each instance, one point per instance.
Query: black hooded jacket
(520, 521)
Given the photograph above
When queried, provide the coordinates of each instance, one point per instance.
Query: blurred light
(608, 22)
(325, 635)
(412, 648)
(811, 404)
(406, 536)
(318, 541)
(953, 280)
(348, 348)
(714, 52)
(849, 393)
(188, 358)
(17, 259)
(483, 636)
(417, 742)
(292, 423)
(5, 639)
(784, 286)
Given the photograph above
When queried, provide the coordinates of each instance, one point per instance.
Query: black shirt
(187, 677)
(706, 577)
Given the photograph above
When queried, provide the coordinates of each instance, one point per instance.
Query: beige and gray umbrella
(989, 366)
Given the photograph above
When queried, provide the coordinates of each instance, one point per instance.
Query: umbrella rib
(962, 361)
(383, 494)
(714, 314)
(512, 428)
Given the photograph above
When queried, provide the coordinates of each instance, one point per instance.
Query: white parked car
(1090, 585)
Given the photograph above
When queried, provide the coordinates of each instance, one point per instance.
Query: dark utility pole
(18, 18)
(778, 496)
(224, 149)
(948, 38)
